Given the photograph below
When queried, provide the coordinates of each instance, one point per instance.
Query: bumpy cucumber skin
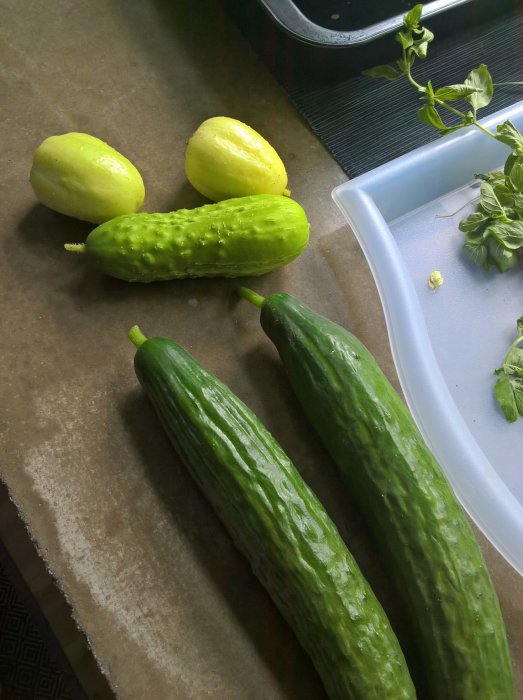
(278, 524)
(421, 529)
(237, 237)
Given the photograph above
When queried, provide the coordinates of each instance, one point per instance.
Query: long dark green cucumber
(278, 523)
(419, 526)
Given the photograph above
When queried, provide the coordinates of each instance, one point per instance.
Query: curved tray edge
(477, 485)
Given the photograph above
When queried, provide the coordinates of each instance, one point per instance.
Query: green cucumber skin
(417, 522)
(246, 236)
(277, 522)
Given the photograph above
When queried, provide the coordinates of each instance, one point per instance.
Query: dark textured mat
(32, 664)
(366, 122)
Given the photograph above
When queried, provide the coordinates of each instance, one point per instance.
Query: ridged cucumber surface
(237, 237)
(421, 530)
(278, 523)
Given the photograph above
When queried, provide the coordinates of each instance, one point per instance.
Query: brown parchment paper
(169, 606)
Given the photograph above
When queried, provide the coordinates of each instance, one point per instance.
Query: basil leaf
(519, 325)
(478, 254)
(507, 133)
(509, 163)
(498, 255)
(451, 93)
(429, 115)
(506, 196)
(420, 48)
(496, 176)
(505, 396)
(489, 202)
(514, 362)
(472, 221)
(518, 202)
(516, 176)
(450, 129)
(412, 18)
(383, 71)
(405, 39)
(518, 397)
(479, 235)
(508, 233)
(479, 79)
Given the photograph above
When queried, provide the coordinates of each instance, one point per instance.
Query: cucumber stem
(251, 296)
(136, 336)
(75, 247)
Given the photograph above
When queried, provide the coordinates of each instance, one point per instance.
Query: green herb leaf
(450, 129)
(519, 326)
(480, 234)
(518, 397)
(508, 134)
(505, 396)
(420, 47)
(481, 80)
(478, 254)
(472, 221)
(405, 39)
(508, 233)
(518, 202)
(516, 176)
(429, 115)
(514, 362)
(451, 93)
(493, 177)
(509, 163)
(505, 195)
(383, 71)
(489, 202)
(499, 256)
(412, 18)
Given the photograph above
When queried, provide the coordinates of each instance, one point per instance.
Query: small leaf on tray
(489, 202)
(508, 134)
(473, 221)
(508, 233)
(505, 396)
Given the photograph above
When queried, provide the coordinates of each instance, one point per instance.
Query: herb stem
(463, 115)
(484, 128)
(442, 103)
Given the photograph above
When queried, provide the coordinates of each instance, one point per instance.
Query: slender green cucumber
(278, 523)
(425, 539)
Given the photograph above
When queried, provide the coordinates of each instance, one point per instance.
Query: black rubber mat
(32, 664)
(366, 122)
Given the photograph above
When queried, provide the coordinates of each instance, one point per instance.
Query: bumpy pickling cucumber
(278, 523)
(236, 237)
(422, 532)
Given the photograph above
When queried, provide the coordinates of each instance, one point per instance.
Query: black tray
(307, 42)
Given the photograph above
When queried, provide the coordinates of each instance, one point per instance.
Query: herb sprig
(494, 232)
(509, 384)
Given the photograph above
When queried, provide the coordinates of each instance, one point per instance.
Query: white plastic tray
(446, 343)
